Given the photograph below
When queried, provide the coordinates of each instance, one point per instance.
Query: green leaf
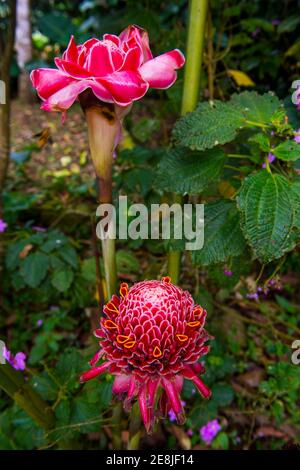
(262, 140)
(289, 24)
(183, 171)
(62, 279)
(68, 254)
(57, 26)
(88, 270)
(254, 107)
(12, 259)
(221, 441)
(223, 394)
(222, 234)
(34, 268)
(209, 125)
(44, 385)
(217, 123)
(268, 214)
(287, 151)
(127, 262)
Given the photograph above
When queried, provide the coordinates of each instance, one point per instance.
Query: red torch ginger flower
(118, 70)
(151, 339)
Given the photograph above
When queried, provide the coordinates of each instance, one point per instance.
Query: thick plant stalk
(6, 54)
(13, 383)
(103, 131)
(195, 41)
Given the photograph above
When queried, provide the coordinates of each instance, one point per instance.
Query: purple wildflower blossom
(275, 22)
(227, 272)
(3, 226)
(190, 432)
(255, 32)
(17, 361)
(209, 431)
(297, 136)
(271, 159)
(39, 323)
(172, 415)
(252, 296)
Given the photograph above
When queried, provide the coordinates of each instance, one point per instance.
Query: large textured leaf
(217, 123)
(34, 268)
(183, 171)
(223, 237)
(62, 279)
(268, 214)
(254, 107)
(209, 125)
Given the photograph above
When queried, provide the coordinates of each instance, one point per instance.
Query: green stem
(103, 127)
(238, 155)
(135, 432)
(13, 383)
(195, 41)
(257, 124)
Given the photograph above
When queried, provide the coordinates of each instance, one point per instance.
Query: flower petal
(65, 97)
(125, 86)
(49, 81)
(74, 70)
(113, 38)
(134, 35)
(71, 53)
(99, 62)
(160, 71)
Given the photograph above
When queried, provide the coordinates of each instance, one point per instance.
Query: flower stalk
(191, 83)
(13, 383)
(103, 131)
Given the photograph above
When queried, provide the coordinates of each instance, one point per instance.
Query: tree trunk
(23, 47)
(6, 52)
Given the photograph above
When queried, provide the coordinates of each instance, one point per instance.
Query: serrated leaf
(34, 268)
(62, 279)
(209, 125)
(184, 171)
(287, 151)
(268, 214)
(217, 123)
(69, 255)
(222, 234)
(254, 107)
(262, 140)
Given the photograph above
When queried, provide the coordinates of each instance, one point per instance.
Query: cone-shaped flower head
(151, 339)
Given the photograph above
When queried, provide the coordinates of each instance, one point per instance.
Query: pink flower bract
(118, 69)
(151, 339)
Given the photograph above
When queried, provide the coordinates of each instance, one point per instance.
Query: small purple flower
(275, 22)
(172, 415)
(209, 431)
(255, 32)
(190, 432)
(3, 226)
(297, 136)
(39, 323)
(39, 229)
(17, 361)
(271, 159)
(252, 296)
(227, 272)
